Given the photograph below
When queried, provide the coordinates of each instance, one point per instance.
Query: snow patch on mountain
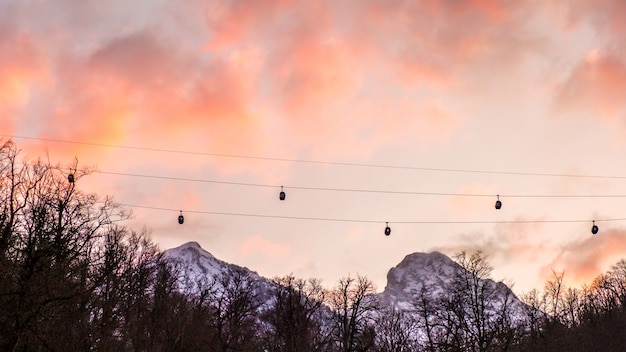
(196, 260)
(199, 269)
(417, 271)
(432, 273)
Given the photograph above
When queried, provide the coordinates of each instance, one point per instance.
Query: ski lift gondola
(181, 218)
(282, 193)
(594, 228)
(498, 202)
(387, 229)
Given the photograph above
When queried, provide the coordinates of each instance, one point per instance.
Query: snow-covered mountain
(433, 272)
(197, 262)
(199, 269)
(436, 275)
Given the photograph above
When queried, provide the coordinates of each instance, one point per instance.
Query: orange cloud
(584, 260)
(234, 21)
(22, 68)
(136, 90)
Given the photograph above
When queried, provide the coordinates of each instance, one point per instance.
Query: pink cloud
(472, 205)
(234, 21)
(607, 15)
(255, 245)
(431, 41)
(310, 77)
(301, 70)
(299, 62)
(510, 240)
(597, 84)
(295, 79)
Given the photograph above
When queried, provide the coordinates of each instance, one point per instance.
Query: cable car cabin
(282, 194)
(498, 203)
(181, 218)
(387, 230)
(594, 228)
(70, 178)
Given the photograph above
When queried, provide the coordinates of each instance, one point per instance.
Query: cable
(344, 189)
(185, 179)
(401, 167)
(356, 190)
(365, 221)
(594, 229)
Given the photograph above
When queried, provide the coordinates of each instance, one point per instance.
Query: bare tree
(353, 306)
(296, 316)
(553, 293)
(396, 331)
(479, 309)
(535, 318)
(472, 313)
(48, 230)
(617, 280)
(427, 306)
(233, 314)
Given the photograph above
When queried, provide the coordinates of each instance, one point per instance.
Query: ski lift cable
(320, 162)
(357, 190)
(363, 221)
(71, 178)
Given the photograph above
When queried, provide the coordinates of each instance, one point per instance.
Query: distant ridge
(432, 272)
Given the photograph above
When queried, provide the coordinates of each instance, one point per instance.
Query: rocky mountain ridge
(431, 272)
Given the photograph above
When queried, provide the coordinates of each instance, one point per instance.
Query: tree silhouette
(48, 233)
(472, 313)
(353, 306)
(295, 317)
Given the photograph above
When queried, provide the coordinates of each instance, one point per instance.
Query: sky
(412, 113)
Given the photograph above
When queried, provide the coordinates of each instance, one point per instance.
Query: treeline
(74, 278)
(592, 318)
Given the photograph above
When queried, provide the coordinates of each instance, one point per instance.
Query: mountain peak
(199, 263)
(421, 259)
(191, 244)
(421, 267)
(199, 267)
(191, 248)
(418, 271)
(196, 260)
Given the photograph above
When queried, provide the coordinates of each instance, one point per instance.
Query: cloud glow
(525, 86)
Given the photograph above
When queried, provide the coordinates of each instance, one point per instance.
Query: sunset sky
(416, 113)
